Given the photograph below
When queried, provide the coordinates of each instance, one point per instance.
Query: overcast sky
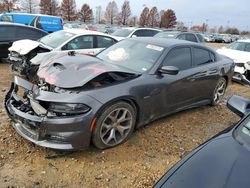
(215, 12)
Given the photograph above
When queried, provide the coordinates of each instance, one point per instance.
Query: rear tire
(219, 91)
(114, 126)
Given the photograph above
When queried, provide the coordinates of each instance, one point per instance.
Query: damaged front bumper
(65, 133)
(18, 63)
(241, 74)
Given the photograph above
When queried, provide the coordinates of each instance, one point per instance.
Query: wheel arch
(128, 99)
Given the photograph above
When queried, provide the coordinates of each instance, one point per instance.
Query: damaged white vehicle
(240, 52)
(78, 40)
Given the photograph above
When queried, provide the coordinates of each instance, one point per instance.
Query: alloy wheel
(219, 90)
(116, 126)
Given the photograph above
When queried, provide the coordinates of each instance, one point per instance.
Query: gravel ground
(140, 162)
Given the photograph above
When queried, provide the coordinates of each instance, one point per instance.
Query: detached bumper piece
(241, 74)
(31, 121)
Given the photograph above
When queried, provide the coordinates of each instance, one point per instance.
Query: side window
(139, 33)
(104, 42)
(191, 37)
(24, 33)
(83, 42)
(247, 47)
(200, 37)
(149, 33)
(212, 56)
(201, 56)
(181, 36)
(7, 18)
(8, 33)
(180, 58)
(154, 32)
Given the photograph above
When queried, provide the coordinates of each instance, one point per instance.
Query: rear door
(7, 37)
(206, 72)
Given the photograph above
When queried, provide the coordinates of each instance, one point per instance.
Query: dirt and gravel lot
(140, 162)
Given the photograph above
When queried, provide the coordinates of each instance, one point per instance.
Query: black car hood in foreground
(221, 163)
(73, 71)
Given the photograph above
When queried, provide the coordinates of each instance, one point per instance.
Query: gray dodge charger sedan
(81, 99)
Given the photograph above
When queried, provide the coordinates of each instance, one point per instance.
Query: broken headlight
(68, 108)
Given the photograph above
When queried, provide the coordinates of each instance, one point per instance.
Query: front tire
(114, 126)
(219, 91)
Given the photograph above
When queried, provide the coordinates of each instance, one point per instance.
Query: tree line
(111, 15)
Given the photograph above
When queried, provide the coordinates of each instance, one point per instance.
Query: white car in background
(127, 32)
(239, 51)
(78, 40)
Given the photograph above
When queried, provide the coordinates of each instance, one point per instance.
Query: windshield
(241, 46)
(167, 34)
(56, 39)
(122, 32)
(134, 55)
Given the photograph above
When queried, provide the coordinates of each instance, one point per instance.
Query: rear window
(7, 32)
(167, 34)
(201, 56)
(29, 33)
(122, 32)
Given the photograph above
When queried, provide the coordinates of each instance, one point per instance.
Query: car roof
(85, 32)
(20, 25)
(28, 14)
(143, 28)
(164, 42)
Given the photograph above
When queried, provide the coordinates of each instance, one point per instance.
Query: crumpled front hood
(223, 162)
(236, 55)
(23, 47)
(75, 71)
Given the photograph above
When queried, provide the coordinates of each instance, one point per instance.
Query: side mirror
(134, 36)
(239, 105)
(169, 70)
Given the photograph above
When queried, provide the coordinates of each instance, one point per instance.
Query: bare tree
(125, 13)
(221, 29)
(133, 21)
(86, 13)
(68, 10)
(144, 16)
(168, 19)
(30, 6)
(153, 17)
(161, 14)
(7, 5)
(111, 12)
(50, 7)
